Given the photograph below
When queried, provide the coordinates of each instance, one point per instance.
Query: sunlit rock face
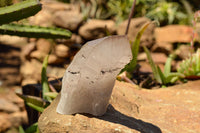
(88, 81)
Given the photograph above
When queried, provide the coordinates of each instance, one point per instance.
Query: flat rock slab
(166, 110)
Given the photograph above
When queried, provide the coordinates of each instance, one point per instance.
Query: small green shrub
(191, 66)
(164, 11)
(164, 78)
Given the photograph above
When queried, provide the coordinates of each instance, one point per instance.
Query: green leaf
(21, 130)
(51, 94)
(32, 99)
(198, 61)
(37, 131)
(173, 77)
(153, 66)
(135, 49)
(45, 84)
(162, 76)
(38, 108)
(34, 31)
(19, 11)
(167, 68)
(32, 128)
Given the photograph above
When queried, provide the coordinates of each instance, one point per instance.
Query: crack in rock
(109, 71)
(74, 72)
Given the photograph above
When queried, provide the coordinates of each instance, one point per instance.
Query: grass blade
(45, 84)
(162, 76)
(167, 68)
(32, 128)
(21, 130)
(32, 99)
(53, 95)
(198, 61)
(153, 66)
(135, 49)
(38, 108)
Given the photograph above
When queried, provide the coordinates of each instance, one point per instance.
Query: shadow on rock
(115, 116)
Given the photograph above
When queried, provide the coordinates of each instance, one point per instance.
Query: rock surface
(157, 57)
(44, 46)
(135, 25)
(183, 51)
(7, 106)
(62, 51)
(12, 111)
(68, 19)
(95, 28)
(174, 34)
(4, 123)
(42, 18)
(162, 47)
(168, 110)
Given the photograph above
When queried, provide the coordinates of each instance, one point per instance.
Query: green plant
(120, 9)
(191, 66)
(23, 10)
(166, 77)
(166, 12)
(38, 103)
(32, 129)
(45, 84)
(135, 49)
(34, 31)
(19, 11)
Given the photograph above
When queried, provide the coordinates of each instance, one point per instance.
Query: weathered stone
(4, 123)
(145, 67)
(27, 81)
(94, 29)
(53, 59)
(18, 118)
(162, 47)
(55, 72)
(12, 97)
(31, 70)
(174, 34)
(183, 51)
(44, 46)
(27, 49)
(135, 25)
(174, 109)
(68, 19)
(7, 106)
(62, 51)
(42, 18)
(53, 6)
(13, 40)
(38, 55)
(157, 57)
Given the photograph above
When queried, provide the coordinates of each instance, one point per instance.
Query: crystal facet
(89, 79)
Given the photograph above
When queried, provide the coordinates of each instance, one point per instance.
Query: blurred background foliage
(165, 11)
